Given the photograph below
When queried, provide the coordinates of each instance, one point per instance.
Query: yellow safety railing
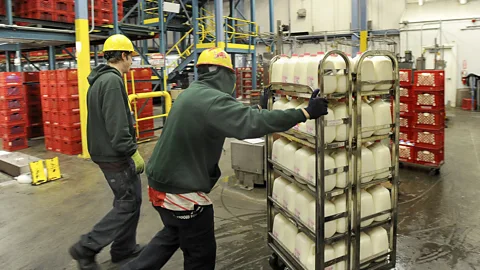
(134, 97)
(231, 27)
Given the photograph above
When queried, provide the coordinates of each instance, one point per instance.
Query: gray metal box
(16, 163)
(247, 157)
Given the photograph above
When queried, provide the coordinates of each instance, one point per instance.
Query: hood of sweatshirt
(221, 79)
(100, 70)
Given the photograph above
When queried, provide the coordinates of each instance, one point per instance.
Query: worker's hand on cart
(264, 97)
(317, 107)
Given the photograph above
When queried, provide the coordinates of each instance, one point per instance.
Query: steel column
(195, 35)
(219, 33)
(254, 43)
(8, 6)
(95, 54)
(8, 61)
(161, 37)
(271, 14)
(83, 60)
(115, 17)
(51, 57)
(359, 25)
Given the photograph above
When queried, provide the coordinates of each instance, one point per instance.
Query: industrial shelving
(385, 260)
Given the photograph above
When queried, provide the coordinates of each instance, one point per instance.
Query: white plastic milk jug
(279, 223)
(277, 150)
(301, 158)
(279, 185)
(290, 232)
(302, 204)
(379, 239)
(366, 249)
(383, 116)
(367, 208)
(367, 72)
(383, 70)
(330, 180)
(289, 196)
(340, 249)
(342, 79)
(303, 247)
(340, 207)
(302, 68)
(331, 226)
(330, 131)
(288, 156)
(340, 112)
(277, 69)
(368, 165)
(303, 125)
(280, 103)
(312, 70)
(368, 119)
(292, 104)
(381, 201)
(289, 69)
(330, 75)
(340, 158)
(383, 159)
(329, 255)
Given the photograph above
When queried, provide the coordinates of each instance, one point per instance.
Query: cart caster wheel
(434, 172)
(275, 263)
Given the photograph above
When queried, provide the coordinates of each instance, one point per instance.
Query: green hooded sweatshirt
(110, 131)
(185, 158)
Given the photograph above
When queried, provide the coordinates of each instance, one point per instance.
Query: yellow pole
(83, 61)
(363, 41)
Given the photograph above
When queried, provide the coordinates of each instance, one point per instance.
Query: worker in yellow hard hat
(113, 147)
(183, 167)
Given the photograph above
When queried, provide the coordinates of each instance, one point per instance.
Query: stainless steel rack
(318, 144)
(281, 257)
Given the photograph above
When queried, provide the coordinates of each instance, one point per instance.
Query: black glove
(264, 98)
(317, 106)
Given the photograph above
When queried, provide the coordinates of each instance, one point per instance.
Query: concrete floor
(437, 219)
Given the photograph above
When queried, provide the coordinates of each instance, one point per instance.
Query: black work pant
(194, 236)
(119, 226)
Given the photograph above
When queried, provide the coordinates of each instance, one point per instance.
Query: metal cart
(281, 257)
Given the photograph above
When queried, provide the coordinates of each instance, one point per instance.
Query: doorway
(450, 57)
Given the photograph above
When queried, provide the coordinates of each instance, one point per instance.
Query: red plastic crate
(44, 89)
(33, 99)
(429, 100)
(64, 5)
(406, 152)
(32, 88)
(13, 117)
(31, 76)
(429, 80)
(11, 78)
(405, 135)
(15, 143)
(64, 17)
(46, 116)
(467, 104)
(406, 121)
(55, 117)
(44, 76)
(70, 133)
(13, 130)
(429, 138)
(34, 132)
(10, 104)
(52, 90)
(433, 156)
(57, 144)
(49, 104)
(12, 91)
(406, 78)
(49, 143)
(142, 87)
(44, 15)
(67, 89)
(140, 74)
(68, 104)
(67, 75)
(47, 128)
(70, 118)
(406, 108)
(406, 94)
(429, 119)
(103, 16)
(71, 147)
(29, 5)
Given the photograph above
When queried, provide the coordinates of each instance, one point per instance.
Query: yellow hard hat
(215, 57)
(118, 43)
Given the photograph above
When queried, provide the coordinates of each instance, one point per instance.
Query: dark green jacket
(186, 156)
(110, 131)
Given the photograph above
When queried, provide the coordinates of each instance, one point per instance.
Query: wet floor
(437, 215)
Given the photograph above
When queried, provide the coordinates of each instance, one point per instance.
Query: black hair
(115, 56)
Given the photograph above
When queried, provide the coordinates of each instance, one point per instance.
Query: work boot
(84, 262)
(136, 251)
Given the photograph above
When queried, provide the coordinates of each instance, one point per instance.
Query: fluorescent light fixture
(420, 2)
(171, 7)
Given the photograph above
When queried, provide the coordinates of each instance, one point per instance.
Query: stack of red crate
(61, 111)
(13, 119)
(144, 106)
(422, 119)
(64, 10)
(34, 104)
(244, 79)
